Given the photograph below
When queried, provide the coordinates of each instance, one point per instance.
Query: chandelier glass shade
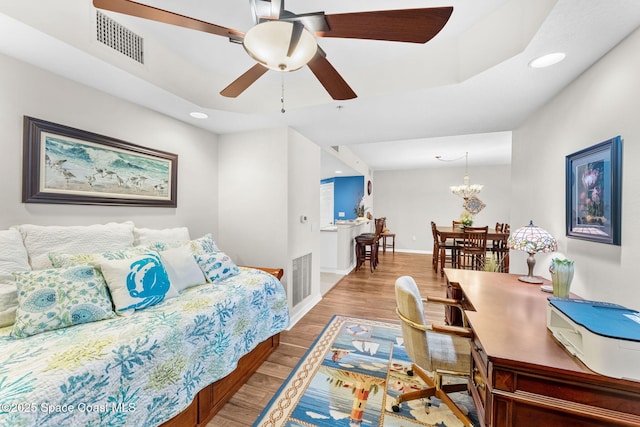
(268, 43)
(466, 190)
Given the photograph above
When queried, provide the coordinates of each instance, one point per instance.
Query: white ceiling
(463, 91)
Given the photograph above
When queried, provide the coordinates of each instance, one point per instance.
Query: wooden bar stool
(386, 234)
(386, 245)
(366, 249)
(367, 245)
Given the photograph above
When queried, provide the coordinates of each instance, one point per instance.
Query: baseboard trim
(304, 310)
(414, 251)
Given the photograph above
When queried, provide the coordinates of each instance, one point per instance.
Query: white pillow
(182, 268)
(138, 282)
(13, 254)
(40, 240)
(8, 303)
(166, 235)
(70, 260)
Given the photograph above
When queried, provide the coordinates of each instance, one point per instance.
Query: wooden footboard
(211, 398)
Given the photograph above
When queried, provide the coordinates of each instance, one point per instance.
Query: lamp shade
(268, 43)
(532, 239)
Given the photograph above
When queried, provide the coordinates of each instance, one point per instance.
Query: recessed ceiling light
(547, 60)
(337, 171)
(198, 115)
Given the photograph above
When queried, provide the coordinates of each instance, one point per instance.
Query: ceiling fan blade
(408, 25)
(329, 77)
(240, 84)
(296, 32)
(140, 10)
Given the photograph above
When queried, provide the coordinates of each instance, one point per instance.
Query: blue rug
(350, 377)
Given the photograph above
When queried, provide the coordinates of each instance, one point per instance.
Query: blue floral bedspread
(143, 369)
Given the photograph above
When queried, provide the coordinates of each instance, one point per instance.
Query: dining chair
(498, 250)
(472, 251)
(448, 246)
(494, 245)
(435, 350)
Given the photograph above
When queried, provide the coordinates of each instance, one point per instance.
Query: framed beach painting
(71, 166)
(594, 192)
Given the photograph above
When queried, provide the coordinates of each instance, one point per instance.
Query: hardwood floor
(360, 294)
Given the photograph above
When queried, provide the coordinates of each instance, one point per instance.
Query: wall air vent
(119, 37)
(301, 279)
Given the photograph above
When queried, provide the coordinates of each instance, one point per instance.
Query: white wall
(602, 103)
(268, 179)
(253, 197)
(27, 90)
(411, 199)
(304, 199)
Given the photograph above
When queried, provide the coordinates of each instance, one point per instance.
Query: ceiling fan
(285, 41)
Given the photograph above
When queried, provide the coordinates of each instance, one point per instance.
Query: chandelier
(466, 190)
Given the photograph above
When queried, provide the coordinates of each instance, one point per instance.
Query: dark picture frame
(65, 165)
(594, 193)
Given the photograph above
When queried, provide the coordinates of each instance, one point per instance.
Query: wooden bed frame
(212, 398)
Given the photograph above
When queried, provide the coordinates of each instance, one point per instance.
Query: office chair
(440, 350)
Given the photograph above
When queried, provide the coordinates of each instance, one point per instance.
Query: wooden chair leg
(435, 259)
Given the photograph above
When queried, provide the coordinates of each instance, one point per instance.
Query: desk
(520, 375)
(444, 233)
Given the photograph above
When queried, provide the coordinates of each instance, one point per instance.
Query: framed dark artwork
(71, 166)
(594, 192)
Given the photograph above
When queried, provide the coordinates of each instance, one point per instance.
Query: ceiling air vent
(119, 37)
(336, 148)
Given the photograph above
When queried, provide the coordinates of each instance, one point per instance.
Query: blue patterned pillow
(216, 266)
(138, 282)
(57, 298)
(204, 244)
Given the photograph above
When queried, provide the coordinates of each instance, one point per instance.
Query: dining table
(457, 233)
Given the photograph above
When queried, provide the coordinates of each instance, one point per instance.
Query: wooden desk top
(522, 375)
(510, 319)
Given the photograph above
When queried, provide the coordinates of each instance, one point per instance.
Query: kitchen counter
(337, 252)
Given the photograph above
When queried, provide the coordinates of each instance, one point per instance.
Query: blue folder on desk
(602, 318)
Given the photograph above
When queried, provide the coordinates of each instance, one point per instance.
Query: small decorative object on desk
(561, 276)
(466, 219)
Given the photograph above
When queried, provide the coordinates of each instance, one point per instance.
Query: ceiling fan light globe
(268, 43)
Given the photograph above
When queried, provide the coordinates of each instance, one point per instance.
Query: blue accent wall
(347, 192)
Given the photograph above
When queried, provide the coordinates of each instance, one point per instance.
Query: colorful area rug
(351, 376)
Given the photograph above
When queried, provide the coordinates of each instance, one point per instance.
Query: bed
(157, 365)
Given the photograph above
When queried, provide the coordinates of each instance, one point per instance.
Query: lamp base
(531, 262)
(530, 279)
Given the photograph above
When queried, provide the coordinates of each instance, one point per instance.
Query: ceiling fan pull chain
(282, 110)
